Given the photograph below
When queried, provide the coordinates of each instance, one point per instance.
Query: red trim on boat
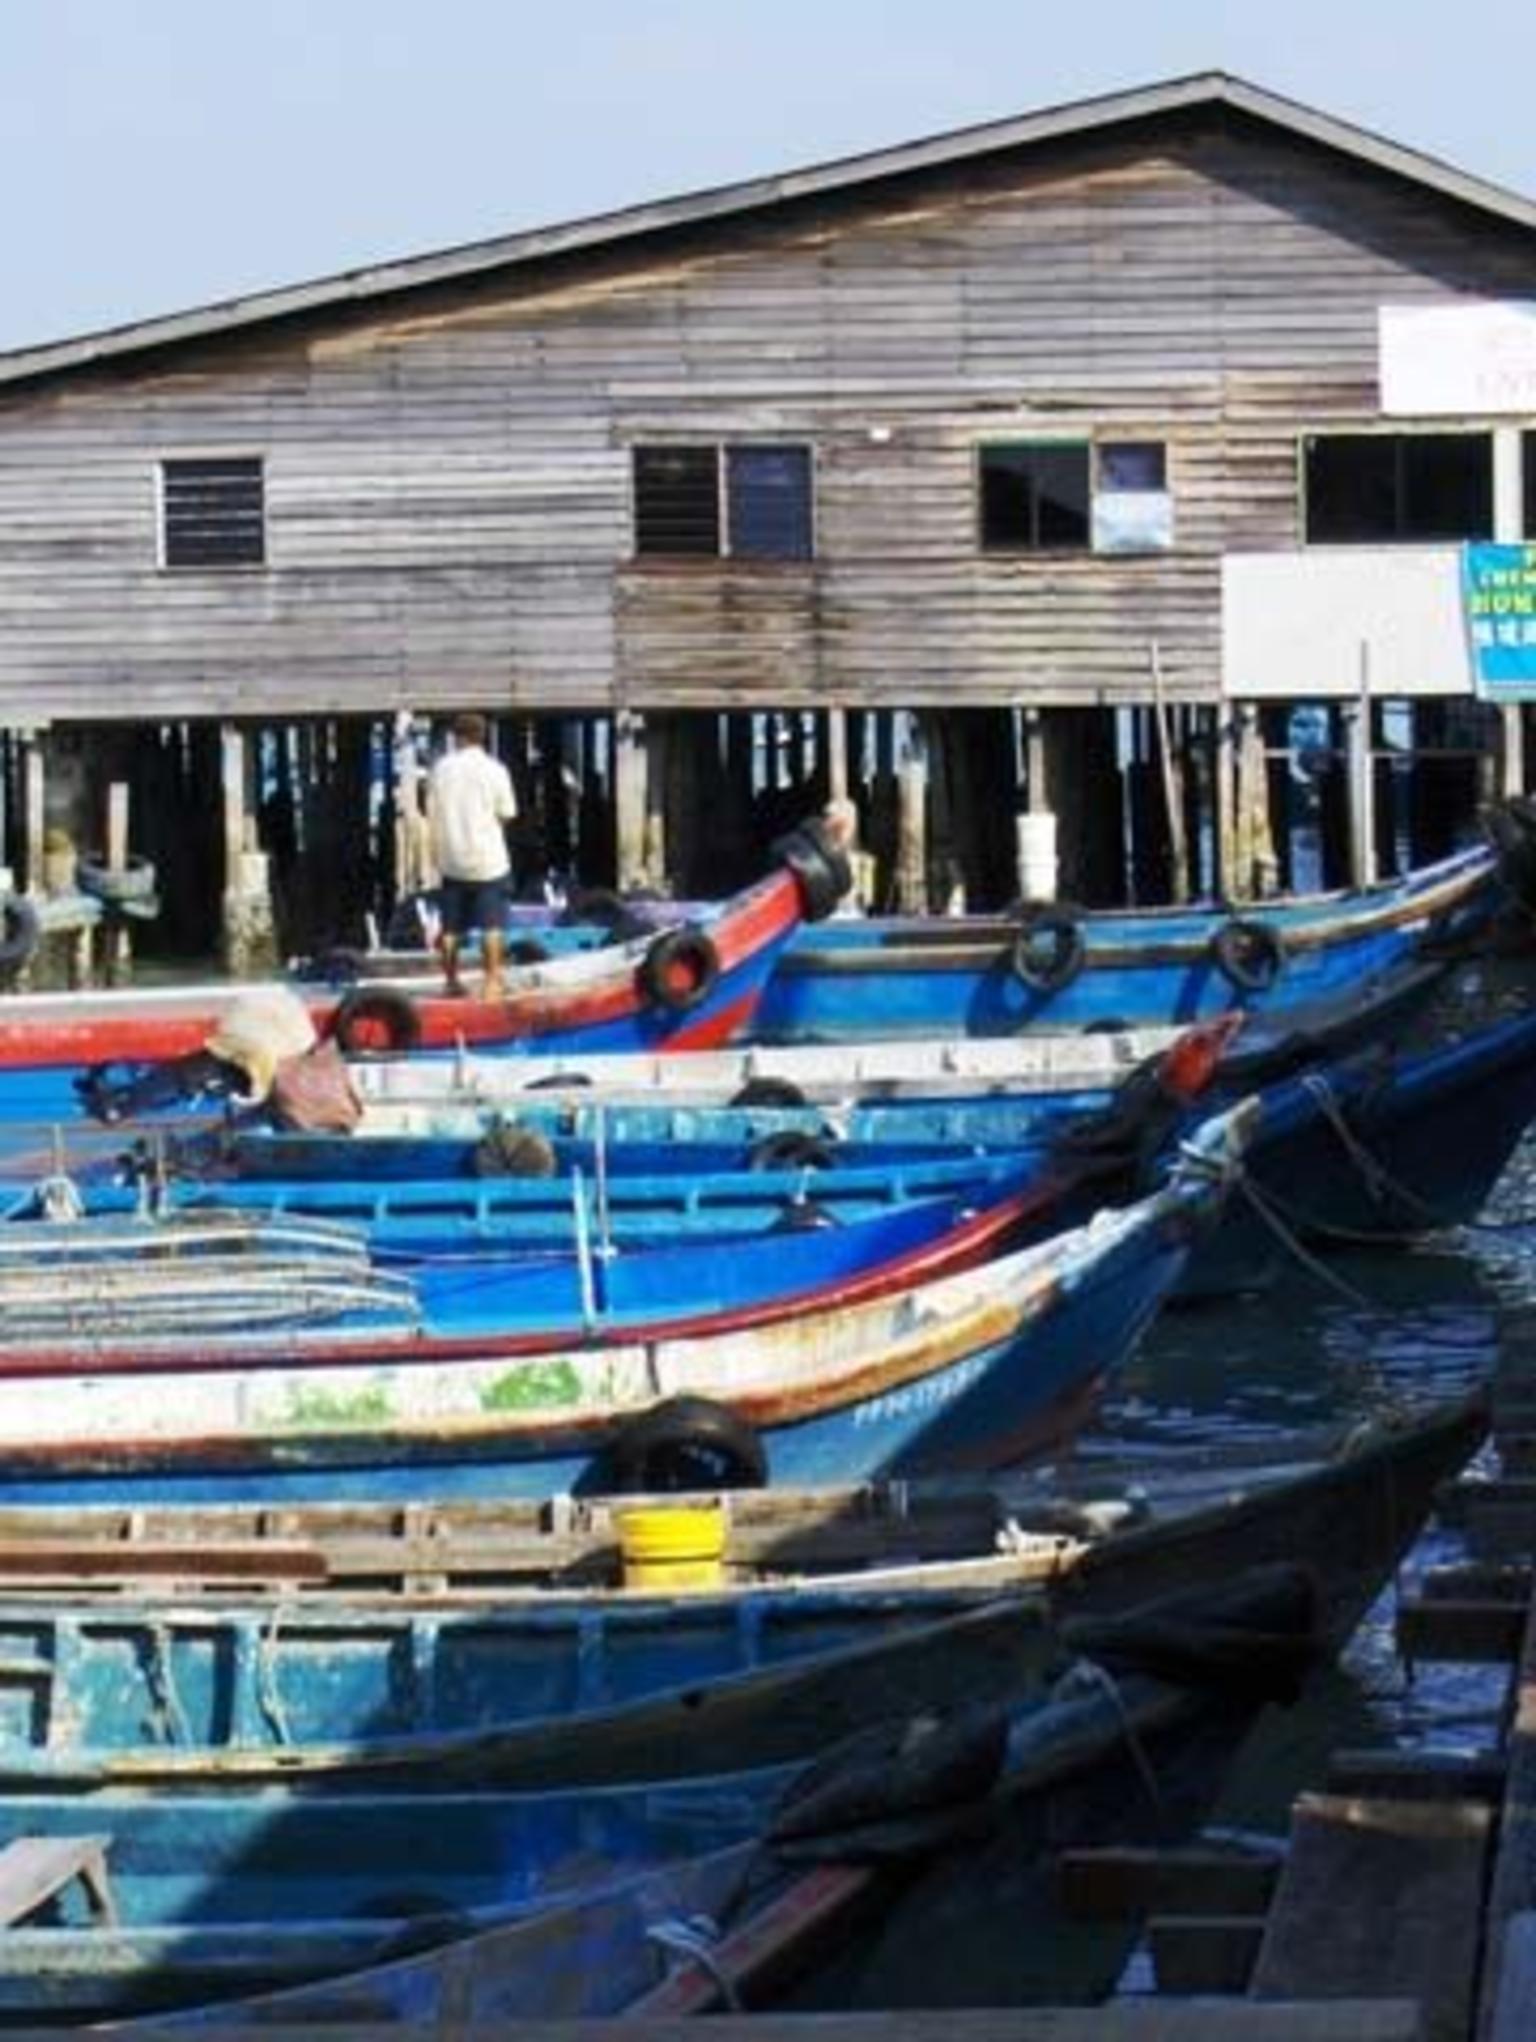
(113, 1032)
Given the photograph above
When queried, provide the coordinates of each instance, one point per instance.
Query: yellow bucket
(673, 1545)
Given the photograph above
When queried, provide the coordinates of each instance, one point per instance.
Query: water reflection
(1273, 1379)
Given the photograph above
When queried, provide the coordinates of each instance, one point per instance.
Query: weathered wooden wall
(448, 476)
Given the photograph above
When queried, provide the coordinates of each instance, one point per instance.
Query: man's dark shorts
(473, 904)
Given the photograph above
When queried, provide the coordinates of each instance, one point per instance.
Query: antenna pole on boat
(586, 1276)
(600, 1160)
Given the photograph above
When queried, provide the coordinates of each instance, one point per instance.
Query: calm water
(1266, 1380)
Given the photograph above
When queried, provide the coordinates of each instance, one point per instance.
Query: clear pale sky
(159, 154)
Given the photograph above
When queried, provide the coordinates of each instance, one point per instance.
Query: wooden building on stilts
(1061, 489)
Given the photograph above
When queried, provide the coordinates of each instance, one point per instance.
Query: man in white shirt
(469, 799)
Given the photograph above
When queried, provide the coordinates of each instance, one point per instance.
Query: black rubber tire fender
(21, 930)
(792, 1148)
(821, 871)
(1250, 955)
(679, 969)
(369, 1013)
(804, 1216)
(681, 1445)
(768, 1092)
(133, 881)
(1066, 953)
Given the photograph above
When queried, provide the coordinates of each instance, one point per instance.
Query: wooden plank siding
(448, 473)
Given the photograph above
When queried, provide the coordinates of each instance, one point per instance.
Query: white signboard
(1474, 360)
(1305, 625)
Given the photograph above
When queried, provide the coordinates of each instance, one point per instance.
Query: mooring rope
(1269, 1213)
(1380, 1179)
(693, 1938)
(1088, 1673)
(267, 1695)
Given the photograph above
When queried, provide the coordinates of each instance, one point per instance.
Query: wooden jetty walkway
(1410, 1879)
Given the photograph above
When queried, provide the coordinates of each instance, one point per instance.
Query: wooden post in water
(34, 787)
(1362, 790)
(117, 944)
(629, 798)
(912, 837)
(1172, 782)
(653, 859)
(1512, 751)
(247, 938)
(837, 755)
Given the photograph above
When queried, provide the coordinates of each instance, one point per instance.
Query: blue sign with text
(1499, 595)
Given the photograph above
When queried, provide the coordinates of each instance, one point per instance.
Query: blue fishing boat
(99, 1397)
(1386, 1142)
(556, 1681)
(249, 1887)
(1385, 1146)
(1060, 967)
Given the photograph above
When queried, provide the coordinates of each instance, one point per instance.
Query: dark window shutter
(1373, 488)
(1034, 496)
(214, 513)
(677, 500)
(769, 495)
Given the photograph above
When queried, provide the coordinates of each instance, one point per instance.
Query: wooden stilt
(629, 797)
(34, 774)
(1357, 758)
(1223, 805)
(912, 838)
(653, 863)
(1512, 752)
(248, 941)
(837, 755)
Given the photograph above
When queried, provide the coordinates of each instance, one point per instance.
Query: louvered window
(677, 500)
(213, 513)
(749, 502)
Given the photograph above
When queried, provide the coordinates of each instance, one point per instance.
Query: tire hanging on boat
(376, 1021)
(822, 871)
(679, 969)
(768, 1092)
(792, 1148)
(803, 1216)
(134, 879)
(1049, 947)
(1250, 955)
(684, 1444)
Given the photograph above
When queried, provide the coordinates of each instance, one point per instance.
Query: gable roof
(1215, 89)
